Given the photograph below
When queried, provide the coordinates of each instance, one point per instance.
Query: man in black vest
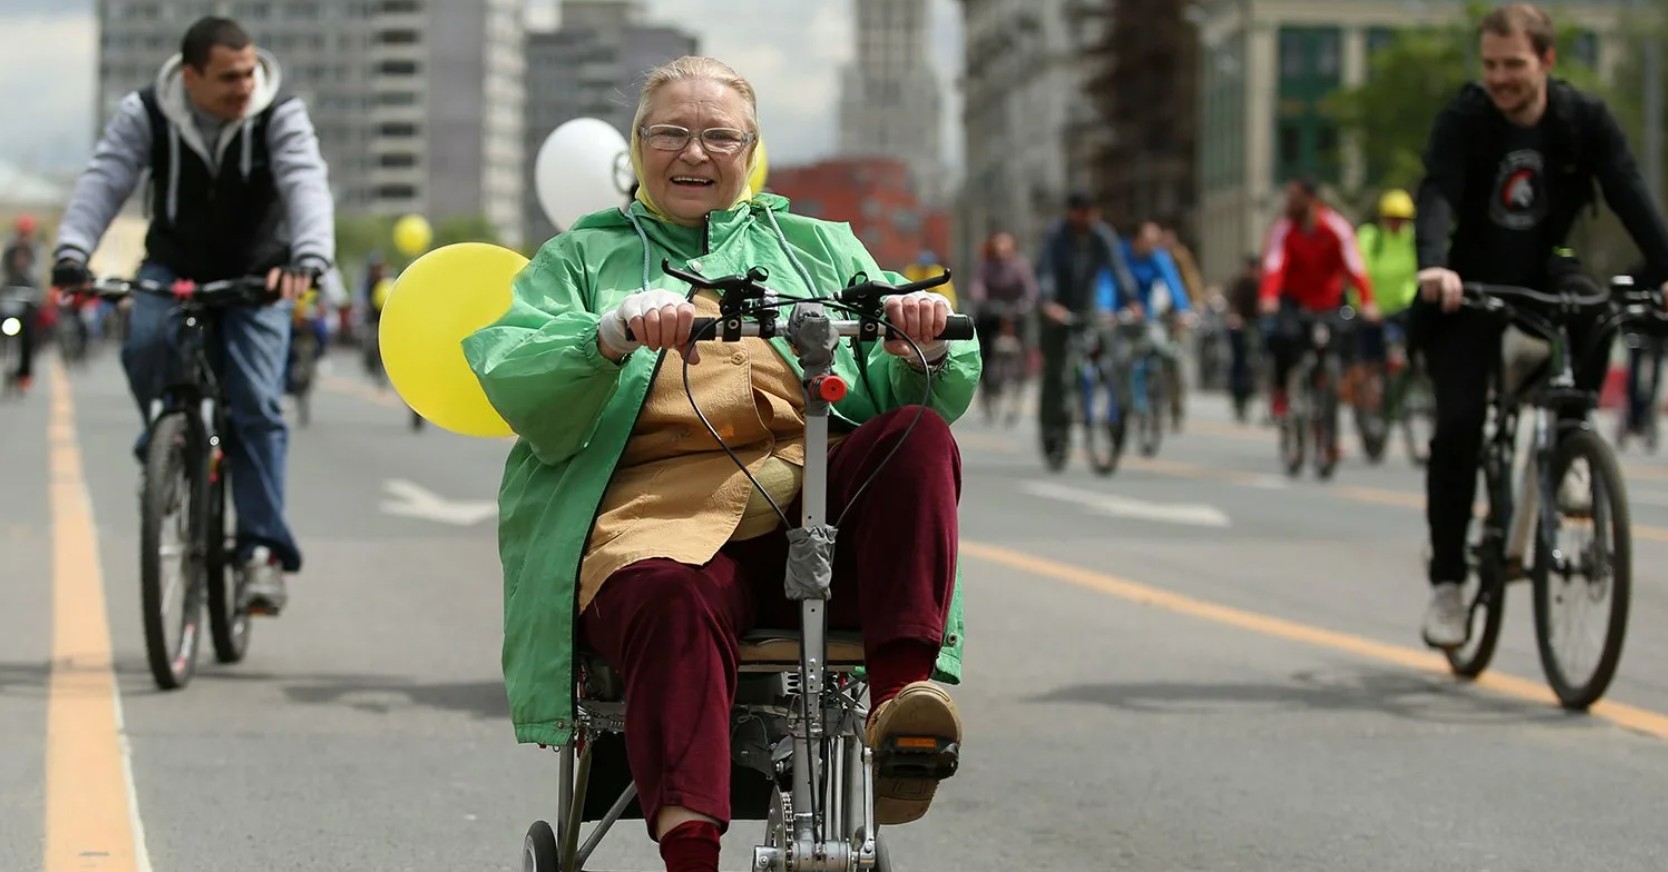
(1509, 166)
(238, 188)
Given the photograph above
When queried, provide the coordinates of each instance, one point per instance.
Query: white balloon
(577, 170)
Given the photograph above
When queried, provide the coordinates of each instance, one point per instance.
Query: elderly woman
(624, 524)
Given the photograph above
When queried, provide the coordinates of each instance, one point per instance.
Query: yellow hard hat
(1395, 204)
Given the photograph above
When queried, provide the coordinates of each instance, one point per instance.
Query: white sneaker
(1575, 493)
(261, 584)
(1448, 620)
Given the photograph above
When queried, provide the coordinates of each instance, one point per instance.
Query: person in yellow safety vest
(1392, 260)
(927, 266)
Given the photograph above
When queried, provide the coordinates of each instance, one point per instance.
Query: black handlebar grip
(958, 327)
(698, 330)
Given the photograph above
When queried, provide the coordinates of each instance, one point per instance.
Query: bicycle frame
(1528, 516)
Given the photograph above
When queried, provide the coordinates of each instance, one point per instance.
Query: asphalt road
(1196, 664)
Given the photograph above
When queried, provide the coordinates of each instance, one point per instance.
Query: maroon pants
(672, 630)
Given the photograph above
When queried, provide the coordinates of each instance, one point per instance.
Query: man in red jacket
(1311, 251)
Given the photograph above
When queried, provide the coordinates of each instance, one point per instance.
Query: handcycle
(185, 549)
(800, 757)
(1523, 534)
(1312, 389)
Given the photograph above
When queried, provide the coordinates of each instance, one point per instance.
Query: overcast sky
(790, 49)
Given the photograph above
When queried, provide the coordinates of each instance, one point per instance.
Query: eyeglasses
(716, 140)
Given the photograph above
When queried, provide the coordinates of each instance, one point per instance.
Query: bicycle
(1145, 379)
(1410, 400)
(1644, 390)
(302, 366)
(799, 715)
(1092, 399)
(184, 500)
(1539, 376)
(1312, 389)
(18, 305)
(1005, 369)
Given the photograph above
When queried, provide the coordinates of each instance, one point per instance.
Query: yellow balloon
(761, 170)
(412, 235)
(441, 298)
(379, 293)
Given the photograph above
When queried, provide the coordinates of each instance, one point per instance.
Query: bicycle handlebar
(1492, 297)
(245, 290)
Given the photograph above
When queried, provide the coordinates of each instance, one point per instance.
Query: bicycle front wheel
(1583, 571)
(228, 620)
(171, 571)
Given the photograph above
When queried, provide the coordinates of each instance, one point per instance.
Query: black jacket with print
(1584, 145)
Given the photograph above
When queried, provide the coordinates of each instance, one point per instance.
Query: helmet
(1395, 204)
(26, 223)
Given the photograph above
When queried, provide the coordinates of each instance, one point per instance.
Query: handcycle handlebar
(751, 283)
(957, 327)
(242, 291)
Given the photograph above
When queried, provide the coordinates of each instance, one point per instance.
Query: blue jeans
(249, 353)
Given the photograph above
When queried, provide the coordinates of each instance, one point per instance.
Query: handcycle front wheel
(1569, 586)
(171, 566)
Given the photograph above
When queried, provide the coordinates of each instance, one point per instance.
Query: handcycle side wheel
(538, 851)
(172, 498)
(229, 623)
(1609, 557)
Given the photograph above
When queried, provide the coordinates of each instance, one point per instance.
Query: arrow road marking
(1196, 515)
(412, 500)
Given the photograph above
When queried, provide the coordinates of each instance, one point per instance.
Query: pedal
(928, 758)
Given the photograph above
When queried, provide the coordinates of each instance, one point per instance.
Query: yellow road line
(1354, 493)
(1634, 718)
(91, 819)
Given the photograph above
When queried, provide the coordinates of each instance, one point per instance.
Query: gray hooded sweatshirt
(125, 152)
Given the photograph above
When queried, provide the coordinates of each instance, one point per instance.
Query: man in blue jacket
(238, 188)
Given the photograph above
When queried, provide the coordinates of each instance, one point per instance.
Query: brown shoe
(916, 737)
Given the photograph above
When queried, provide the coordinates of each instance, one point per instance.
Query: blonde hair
(692, 68)
(685, 69)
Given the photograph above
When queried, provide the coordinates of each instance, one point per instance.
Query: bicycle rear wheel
(171, 571)
(228, 621)
(1592, 580)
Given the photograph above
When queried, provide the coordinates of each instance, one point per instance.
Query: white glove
(611, 330)
(921, 315)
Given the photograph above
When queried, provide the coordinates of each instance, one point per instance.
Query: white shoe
(262, 584)
(1448, 620)
(1575, 493)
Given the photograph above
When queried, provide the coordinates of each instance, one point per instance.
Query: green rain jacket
(573, 410)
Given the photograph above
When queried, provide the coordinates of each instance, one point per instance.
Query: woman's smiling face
(708, 171)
